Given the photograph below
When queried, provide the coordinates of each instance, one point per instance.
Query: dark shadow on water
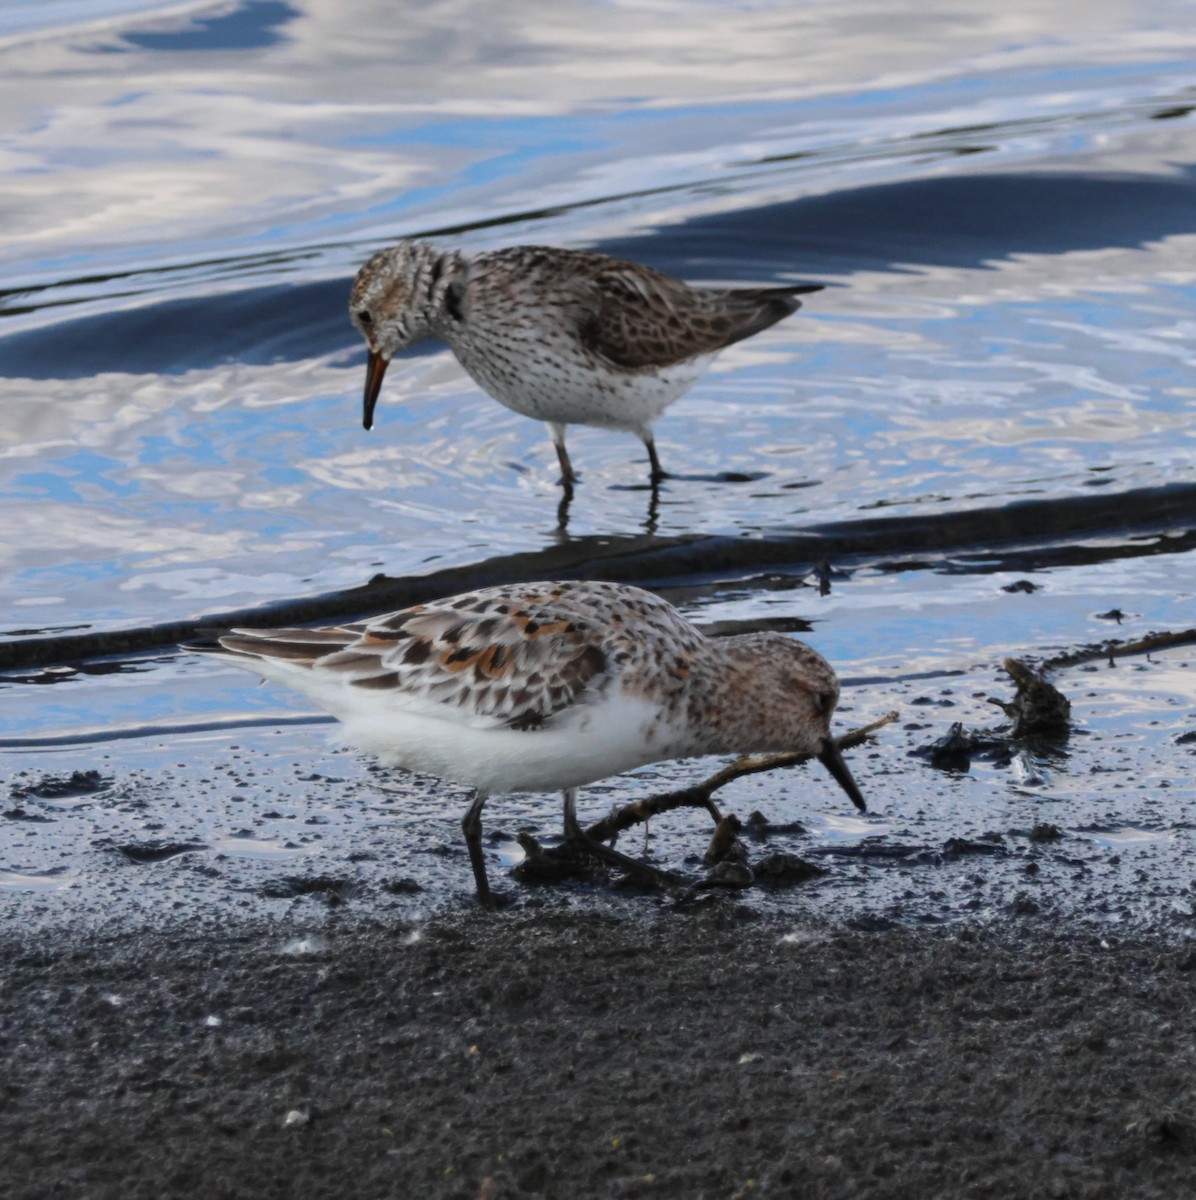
(253, 25)
(257, 325)
(717, 477)
(965, 221)
(1028, 536)
(957, 221)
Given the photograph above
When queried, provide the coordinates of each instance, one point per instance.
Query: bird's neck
(441, 284)
(735, 699)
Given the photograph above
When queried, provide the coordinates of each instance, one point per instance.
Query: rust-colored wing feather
(515, 657)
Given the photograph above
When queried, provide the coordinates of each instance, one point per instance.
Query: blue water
(1001, 204)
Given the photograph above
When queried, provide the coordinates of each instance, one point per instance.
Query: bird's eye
(825, 701)
(363, 315)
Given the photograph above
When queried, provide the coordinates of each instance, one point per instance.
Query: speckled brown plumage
(565, 336)
(546, 686)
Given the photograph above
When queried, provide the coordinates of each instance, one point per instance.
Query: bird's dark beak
(374, 370)
(833, 761)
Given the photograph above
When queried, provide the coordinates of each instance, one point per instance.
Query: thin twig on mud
(699, 795)
(1115, 648)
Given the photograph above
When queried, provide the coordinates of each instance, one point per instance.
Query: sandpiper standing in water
(548, 686)
(569, 337)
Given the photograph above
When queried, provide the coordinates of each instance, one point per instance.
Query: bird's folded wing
(517, 667)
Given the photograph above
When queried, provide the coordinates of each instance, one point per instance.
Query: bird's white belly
(596, 741)
(569, 391)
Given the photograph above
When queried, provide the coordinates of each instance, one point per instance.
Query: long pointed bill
(833, 761)
(374, 370)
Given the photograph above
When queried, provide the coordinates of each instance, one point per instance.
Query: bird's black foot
(554, 864)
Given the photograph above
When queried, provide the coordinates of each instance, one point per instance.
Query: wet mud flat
(555, 1050)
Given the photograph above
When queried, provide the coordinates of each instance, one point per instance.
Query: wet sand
(550, 1051)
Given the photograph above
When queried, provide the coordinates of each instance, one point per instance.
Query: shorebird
(569, 337)
(549, 686)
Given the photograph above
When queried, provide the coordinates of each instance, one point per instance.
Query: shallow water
(995, 386)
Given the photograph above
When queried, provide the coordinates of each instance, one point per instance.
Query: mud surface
(708, 1053)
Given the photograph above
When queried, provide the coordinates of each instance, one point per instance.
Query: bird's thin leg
(574, 833)
(568, 478)
(471, 824)
(657, 472)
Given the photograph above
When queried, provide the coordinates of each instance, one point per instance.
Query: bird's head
(396, 301)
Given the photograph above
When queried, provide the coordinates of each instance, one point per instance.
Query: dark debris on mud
(58, 787)
(1039, 725)
(557, 1052)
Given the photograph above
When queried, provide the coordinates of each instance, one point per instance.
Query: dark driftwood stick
(699, 794)
(1114, 648)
